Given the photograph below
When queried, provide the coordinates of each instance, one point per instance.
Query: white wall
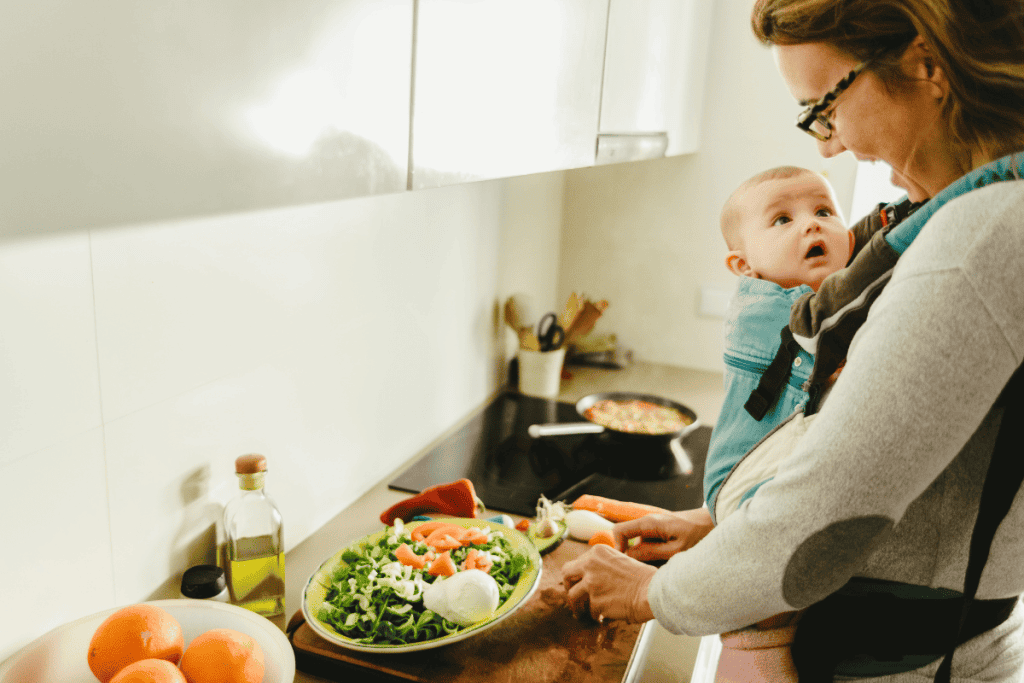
(137, 362)
(645, 236)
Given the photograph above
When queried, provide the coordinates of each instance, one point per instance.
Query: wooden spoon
(586, 320)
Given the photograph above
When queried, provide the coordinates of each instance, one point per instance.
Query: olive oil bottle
(254, 542)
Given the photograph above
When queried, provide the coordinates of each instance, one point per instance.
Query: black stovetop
(510, 470)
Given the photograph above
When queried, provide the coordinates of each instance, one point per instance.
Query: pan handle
(563, 429)
(676, 446)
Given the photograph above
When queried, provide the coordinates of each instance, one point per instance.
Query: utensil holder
(540, 372)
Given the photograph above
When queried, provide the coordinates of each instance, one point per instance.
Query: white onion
(583, 524)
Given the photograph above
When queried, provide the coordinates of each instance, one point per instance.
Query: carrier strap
(1004, 479)
(770, 386)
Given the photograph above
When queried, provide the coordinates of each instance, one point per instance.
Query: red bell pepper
(457, 499)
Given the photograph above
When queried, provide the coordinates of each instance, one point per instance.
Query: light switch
(714, 300)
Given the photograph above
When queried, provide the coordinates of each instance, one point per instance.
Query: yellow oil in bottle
(256, 575)
(254, 538)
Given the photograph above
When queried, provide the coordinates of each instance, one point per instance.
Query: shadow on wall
(197, 539)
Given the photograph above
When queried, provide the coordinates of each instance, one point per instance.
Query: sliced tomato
(406, 555)
(474, 536)
(442, 565)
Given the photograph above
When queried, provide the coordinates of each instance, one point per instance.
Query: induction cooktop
(510, 470)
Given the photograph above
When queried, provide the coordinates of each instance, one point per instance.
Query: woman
(885, 485)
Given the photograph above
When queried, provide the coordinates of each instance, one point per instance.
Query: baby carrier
(898, 627)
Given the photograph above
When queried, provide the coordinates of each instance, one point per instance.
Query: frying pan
(674, 439)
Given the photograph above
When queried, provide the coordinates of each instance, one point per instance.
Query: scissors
(549, 333)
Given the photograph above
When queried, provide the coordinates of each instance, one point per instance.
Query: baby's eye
(824, 213)
(781, 220)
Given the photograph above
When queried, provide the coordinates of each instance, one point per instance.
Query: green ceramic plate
(316, 590)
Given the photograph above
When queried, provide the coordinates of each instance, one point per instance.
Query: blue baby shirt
(757, 312)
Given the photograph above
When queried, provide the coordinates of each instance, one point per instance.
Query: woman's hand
(608, 584)
(663, 535)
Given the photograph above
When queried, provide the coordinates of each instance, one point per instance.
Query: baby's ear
(735, 262)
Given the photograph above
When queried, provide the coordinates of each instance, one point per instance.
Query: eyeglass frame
(807, 117)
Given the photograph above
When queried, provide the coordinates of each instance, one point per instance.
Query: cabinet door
(505, 87)
(121, 111)
(654, 73)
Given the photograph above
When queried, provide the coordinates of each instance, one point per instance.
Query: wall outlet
(714, 300)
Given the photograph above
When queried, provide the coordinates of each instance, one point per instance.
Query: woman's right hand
(663, 535)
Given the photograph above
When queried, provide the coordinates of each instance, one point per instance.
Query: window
(870, 187)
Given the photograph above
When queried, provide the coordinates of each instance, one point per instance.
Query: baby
(785, 236)
(783, 225)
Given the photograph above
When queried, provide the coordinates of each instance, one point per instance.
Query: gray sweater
(886, 482)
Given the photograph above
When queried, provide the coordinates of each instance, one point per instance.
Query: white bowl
(61, 654)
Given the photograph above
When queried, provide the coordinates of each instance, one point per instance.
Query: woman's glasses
(813, 120)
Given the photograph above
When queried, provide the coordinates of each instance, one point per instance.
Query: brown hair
(732, 215)
(978, 44)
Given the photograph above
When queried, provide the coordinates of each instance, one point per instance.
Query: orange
(149, 671)
(222, 655)
(131, 634)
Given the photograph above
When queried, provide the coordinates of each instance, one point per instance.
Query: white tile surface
(48, 376)
(338, 339)
(55, 539)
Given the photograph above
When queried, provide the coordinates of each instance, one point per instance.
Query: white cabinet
(655, 62)
(505, 87)
(120, 111)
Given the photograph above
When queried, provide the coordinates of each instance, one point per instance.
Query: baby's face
(791, 231)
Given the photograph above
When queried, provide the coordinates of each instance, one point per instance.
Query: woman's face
(903, 128)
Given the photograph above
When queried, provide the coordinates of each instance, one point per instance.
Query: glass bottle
(254, 540)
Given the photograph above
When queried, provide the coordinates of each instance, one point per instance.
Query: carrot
(604, 537)
(406, 555)
(442, 565)
(524, 525)
(615, 510)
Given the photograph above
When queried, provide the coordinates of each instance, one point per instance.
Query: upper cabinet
(505, 87)
(655, 62)
(119, 111)
(127, 111)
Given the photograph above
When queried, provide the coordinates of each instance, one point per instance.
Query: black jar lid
(203, 581)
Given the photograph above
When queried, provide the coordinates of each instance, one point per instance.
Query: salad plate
(315, 595)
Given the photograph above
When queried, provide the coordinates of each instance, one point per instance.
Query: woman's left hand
(609, 585)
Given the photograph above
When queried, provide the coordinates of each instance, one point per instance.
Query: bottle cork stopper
(250, 464)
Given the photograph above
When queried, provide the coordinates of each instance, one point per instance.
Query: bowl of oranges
(162, 641)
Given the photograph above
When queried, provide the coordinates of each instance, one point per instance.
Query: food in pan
(636, 416)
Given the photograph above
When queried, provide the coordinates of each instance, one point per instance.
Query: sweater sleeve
(908, 400)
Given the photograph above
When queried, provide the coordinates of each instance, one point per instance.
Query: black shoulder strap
(1003, 480)
(774, 378)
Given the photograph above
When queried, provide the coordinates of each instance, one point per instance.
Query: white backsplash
(137, 362)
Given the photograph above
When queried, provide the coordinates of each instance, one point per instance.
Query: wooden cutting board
(540, 642)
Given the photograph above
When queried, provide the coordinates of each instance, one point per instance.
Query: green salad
(376, 599)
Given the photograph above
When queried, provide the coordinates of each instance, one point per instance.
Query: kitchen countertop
(670, 657)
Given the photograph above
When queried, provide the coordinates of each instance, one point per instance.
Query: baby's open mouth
(818, 249)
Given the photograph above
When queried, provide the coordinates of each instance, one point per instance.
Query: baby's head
(784, 225)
